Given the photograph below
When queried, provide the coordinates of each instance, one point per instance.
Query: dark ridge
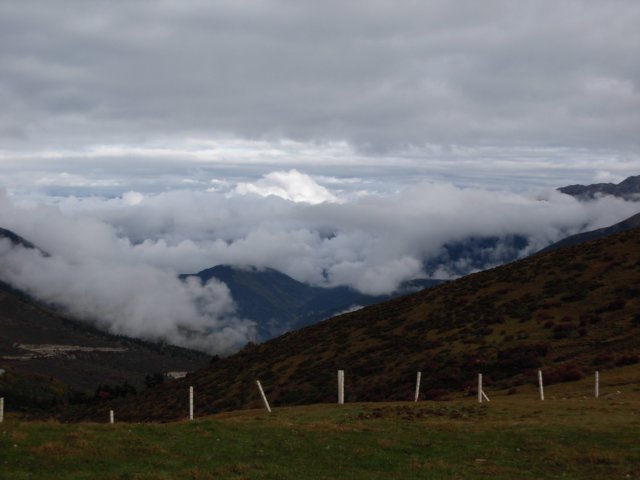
(16, 239)
(628, 189)
(279, 303)
(628, 224)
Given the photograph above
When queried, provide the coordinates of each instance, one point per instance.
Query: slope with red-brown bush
(569, 312)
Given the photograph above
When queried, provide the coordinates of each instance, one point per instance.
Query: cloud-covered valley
(114, 261)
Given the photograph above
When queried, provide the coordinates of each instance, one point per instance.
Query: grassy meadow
(569, 435)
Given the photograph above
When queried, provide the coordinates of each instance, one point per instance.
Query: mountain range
(628, 189)
(479, 253)
(568, 312)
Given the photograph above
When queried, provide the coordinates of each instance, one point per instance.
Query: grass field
(569, 435)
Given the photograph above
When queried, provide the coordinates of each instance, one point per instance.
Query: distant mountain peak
(629, 189)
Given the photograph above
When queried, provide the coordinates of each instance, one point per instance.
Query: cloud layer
(100, 100)
(381, 76)
(115, 260)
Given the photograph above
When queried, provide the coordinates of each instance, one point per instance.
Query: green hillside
(568, 312)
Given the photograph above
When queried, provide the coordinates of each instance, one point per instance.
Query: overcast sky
(340, 142)
(147, 95)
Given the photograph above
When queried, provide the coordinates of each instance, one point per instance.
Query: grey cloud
(380, 75)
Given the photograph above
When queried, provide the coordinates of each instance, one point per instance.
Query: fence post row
(481, 394)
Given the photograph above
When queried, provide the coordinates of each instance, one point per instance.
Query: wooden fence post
(190, 403)
(418, 377)
(264, 397)
(340, 387)
(1, 409)
(111, 419)
(481, 393)
(597, 384)
(540, 385)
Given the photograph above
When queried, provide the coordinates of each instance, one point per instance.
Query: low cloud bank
(115, 260)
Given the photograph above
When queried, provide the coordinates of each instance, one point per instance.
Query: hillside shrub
(595, 319)
(153, 379)
(109, 392)
(514, 360)
(437, 394)
(628, 293)
(576, 295)
(602, 359)
(563, 373)
(563, 330)
(579, 267)
(627, 360)
(617, 304)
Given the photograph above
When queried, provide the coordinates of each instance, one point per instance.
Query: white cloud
(111, 258)
(72, 180)
(132, 198)
(90, 274)
(606, 176)
(291, 185)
